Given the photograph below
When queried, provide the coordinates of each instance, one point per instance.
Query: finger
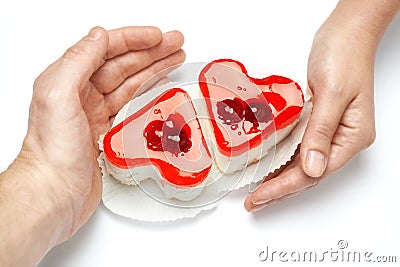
(115, 71)
(273, 175)
(355, 133)
(255, 185)
(142, 81)
(341, 153)
(132, 38)
(160, 82)
(289, 165)
(324, 119)
(72, 71)
(288, 182)
(255, 208)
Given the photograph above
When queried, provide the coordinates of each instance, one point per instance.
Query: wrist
(362, 22)
(30, 220)
(351, 34)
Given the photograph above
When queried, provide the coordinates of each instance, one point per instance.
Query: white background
(358, 204)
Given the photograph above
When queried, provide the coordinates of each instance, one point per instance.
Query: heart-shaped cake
(164, 140)
(248, 115)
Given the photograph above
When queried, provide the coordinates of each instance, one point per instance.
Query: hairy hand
(73, 101)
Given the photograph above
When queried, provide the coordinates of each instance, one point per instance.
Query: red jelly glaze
(170, 172)
(286, 116)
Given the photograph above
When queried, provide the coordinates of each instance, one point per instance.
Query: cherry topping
(254, 110)
(231, 111)
(153, 133)
(177, 133)
(172, 135)
(257, 111)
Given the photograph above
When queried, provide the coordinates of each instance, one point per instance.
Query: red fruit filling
(258, 111)
(254, 110)
(230, 111)
(172, 135)
(152, 133)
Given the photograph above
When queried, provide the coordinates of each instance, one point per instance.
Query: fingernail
(94, 34)
(259, 207)
(315, 163)
(261, 201)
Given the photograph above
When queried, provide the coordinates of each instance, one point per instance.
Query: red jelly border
(173, 176)
(282, 120)
(111, 155)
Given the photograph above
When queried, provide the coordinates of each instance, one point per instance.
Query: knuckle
(37, 83)
(117, 67)
(322, 134)
(42, 80)
(339, 92)
(370, 137)
(40, 99)
(45, 95)
(124, 70)
(72, 53)
(360, 138)
(365, 134)
(332, 88)
(39, 91)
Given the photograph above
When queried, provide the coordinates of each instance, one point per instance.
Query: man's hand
(73, 101)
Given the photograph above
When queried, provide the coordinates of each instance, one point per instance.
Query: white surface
(359, 204)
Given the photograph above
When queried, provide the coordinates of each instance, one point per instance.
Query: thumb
(73, 70)
(316, 144)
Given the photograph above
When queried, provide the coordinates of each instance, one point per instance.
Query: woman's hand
(340, 77)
